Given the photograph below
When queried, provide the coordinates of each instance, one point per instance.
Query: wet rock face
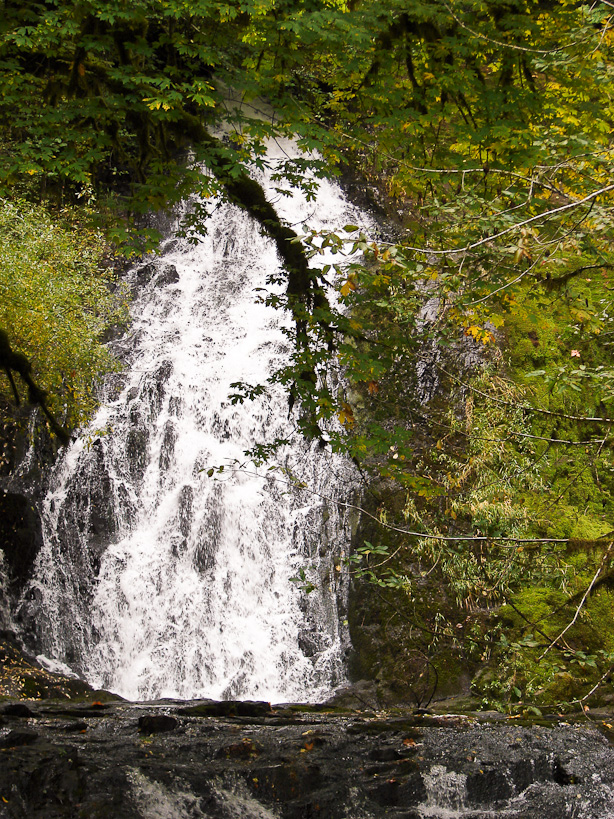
(168, 275)
(20, 535)
(161, 275)
(238, 760)
(157, 723)
(137, 442)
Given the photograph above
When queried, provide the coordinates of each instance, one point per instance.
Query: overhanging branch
(11, 362)
(305, 293)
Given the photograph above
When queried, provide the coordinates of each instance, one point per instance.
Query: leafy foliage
(486, 129)
(57, 302)
(102, 99)
(121, 106)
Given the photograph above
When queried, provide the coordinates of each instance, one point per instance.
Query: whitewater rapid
(157, 579)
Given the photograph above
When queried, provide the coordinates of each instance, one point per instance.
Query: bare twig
(580, 604)
(506, 285)
(389, 526)
(587, 418)
(488, 239)
(513, 46)
(595, 687)
(530, 622)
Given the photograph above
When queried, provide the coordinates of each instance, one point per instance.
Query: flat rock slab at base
(174, 760)
(23, 677)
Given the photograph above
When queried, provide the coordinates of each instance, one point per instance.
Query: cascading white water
(157, 579)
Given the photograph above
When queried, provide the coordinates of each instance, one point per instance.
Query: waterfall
(446, 793)
(157, 579)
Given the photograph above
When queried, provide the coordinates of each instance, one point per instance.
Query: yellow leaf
(348, 285)
(346, 416)
(496, 321)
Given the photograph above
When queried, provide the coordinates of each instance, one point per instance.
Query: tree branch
(580, 604)
(587, 418)
(422, 535)
(18, 362)
(488, 239)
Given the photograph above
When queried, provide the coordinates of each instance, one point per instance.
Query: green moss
(536, 603)
(535, 664)
(494, 608)
(453, 674)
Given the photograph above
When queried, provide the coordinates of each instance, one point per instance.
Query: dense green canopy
(487, 125)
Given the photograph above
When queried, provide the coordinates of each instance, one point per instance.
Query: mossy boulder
(23, 678)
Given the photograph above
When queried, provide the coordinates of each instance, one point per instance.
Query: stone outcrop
(242, 760)
(23, 677)
(20, 535)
